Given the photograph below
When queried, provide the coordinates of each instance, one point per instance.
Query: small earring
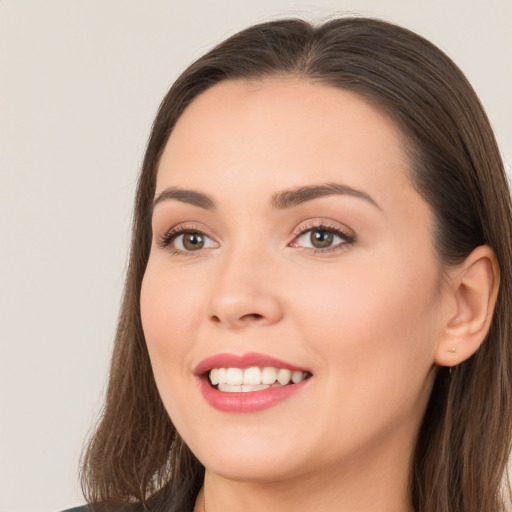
(452, 350)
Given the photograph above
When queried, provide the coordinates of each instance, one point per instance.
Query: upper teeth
(254, 376)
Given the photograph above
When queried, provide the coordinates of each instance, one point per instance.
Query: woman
(318, 303)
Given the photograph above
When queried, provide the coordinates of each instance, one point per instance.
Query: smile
(233, 380)
(248, 383)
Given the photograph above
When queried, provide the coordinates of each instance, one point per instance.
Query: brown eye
(192, 241)
(321, 239)
(182, 240)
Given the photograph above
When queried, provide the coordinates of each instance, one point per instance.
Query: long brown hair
(136, 455)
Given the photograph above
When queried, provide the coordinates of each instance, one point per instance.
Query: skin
(366, 318)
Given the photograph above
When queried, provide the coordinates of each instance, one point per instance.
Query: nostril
(244, 318)
(252, 316)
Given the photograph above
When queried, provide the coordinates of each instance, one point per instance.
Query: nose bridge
(244, 291)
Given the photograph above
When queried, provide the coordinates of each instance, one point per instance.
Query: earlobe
(473, 288)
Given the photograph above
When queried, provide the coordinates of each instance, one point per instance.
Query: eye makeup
(314, 236)
(198, 241)
(324, 237)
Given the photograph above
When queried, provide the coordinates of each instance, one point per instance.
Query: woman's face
(287, 236)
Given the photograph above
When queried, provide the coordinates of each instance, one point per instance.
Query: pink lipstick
(248, 383)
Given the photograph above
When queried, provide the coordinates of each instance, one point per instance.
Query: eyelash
(181, 229)
(166, 240)
(310, 226)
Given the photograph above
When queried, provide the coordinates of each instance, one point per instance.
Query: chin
(263, 469)
(249, 456)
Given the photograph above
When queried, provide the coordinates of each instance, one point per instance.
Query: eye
(181, 240)
(322, 239)
(192, 241)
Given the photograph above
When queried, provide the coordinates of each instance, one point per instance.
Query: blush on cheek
(166, 309)
(362, 313)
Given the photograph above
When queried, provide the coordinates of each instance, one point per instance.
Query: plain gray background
(80, 81)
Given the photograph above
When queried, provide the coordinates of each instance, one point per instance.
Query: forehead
(286, 131)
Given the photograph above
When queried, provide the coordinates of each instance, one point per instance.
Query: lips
(249, 382)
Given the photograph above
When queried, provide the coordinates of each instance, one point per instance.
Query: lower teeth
(245, 388)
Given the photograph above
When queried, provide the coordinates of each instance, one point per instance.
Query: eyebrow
(291, 198)
(281, 200)
(185, 196)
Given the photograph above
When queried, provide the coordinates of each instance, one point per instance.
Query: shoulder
(133, 507)
(83, 508)
(159, 501)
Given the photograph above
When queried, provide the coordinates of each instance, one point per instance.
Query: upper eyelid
(186, 227)
(299, 230)
(326, 224)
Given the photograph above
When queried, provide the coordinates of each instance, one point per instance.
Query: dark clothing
(133, 507)
(151, 506)
(164, 500)
(84, 508)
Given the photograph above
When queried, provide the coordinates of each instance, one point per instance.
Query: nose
(245, 293)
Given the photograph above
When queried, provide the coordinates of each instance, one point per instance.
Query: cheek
(169, 312)
(168, 309)
(374, 333)
(372, 320)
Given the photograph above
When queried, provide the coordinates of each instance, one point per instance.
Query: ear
(472, 291)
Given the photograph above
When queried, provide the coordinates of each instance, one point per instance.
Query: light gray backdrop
(80, 81)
